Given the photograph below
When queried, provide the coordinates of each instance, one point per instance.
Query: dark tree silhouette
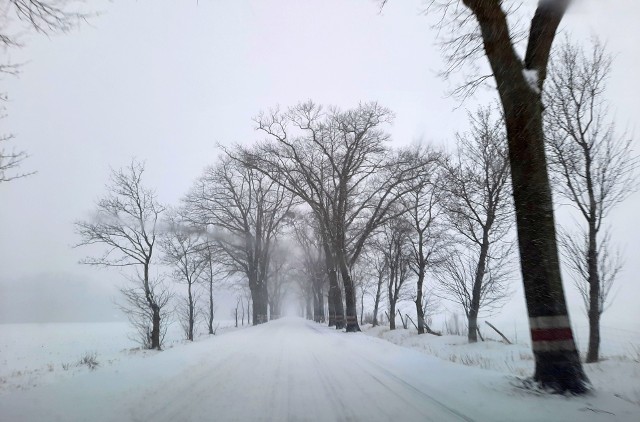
(519, 84)
(593, 168)
(126, 223)
(480, 215)
(245, 210)
(336, 162)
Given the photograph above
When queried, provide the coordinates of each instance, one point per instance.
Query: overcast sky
(165, 81)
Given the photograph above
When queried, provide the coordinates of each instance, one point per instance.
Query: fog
(165, 82)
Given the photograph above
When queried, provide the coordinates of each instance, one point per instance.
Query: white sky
(165, 82)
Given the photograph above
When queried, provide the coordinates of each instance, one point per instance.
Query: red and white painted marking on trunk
(551, 334)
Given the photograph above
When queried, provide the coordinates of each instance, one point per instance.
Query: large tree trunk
(375, 311)
(210, 313)
(376, 302)
(210, 319)
(419, 310)
(594, 335)
(191, 315)
(392, 298)
(362, 308)
(557, 362)
(336, 298)
(392, 314)
(350, 297)
(248, 310)
(472, 322)
(260, 298)
(336, 310)
(274, 309)
(155, 327)
(474, 306)
(331, 308)
(309, 310)
(155, 310)
(594, 297)
(318, 305)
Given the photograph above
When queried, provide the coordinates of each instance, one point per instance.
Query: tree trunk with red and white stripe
(558, 364)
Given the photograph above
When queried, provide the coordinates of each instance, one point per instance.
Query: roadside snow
(296, 370)
(36, 354)
(617, 374)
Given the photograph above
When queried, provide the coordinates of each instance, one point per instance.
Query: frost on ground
(296, 370)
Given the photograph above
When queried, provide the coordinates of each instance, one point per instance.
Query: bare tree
(392, 242)
(246, 210)
(314, 279)
(425, 212)
(42, 16)
(335, 303)
(235, 312)
(10, 160)
(431, 304)
(126, 224)
(363, 280)
(337, 162)
(592, 165)
(210, 277)
(519, 84)
(280, 277)
(246, 294)
(480, 215)
(576, 248)
(143, 317)
(380, 266)
(182, 246)
(304, 290)
(457, 275)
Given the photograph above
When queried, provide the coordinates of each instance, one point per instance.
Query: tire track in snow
(193, 386)
(390, 376)
(387, 385)
(304, 373)
(410, 387)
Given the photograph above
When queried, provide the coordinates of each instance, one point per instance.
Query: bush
(90, 360)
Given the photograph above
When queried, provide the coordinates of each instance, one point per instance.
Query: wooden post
(404, 323)
(409, 318)
(429, 330)
(498, 331)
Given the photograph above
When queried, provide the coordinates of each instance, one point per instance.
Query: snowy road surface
(295, 370)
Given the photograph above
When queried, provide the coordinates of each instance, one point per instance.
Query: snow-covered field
(35, 354)
(617, 373)
(289, 369)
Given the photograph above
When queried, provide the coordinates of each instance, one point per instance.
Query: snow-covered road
(295, 370)
(292, 370)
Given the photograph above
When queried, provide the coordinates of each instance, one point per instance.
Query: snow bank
(618, 373)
